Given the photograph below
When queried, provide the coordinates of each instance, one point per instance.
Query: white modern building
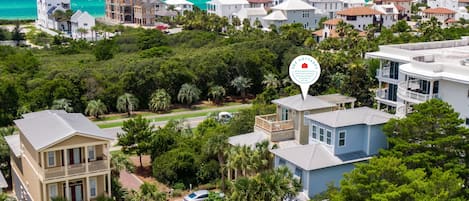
(354, 3)
(389, 14)
(46, 10)
(449, 4)
(253, 15)
(328, 7)
(414, 73)
(82, 21)
(226, 8)
(294, 11)
(403, 6)
(463, 3)
(360, 17)
(179, 5)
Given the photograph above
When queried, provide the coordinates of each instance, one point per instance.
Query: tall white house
(443, 15)
(416, 72)
(226, 8)
(389, 14)
(359, 17)
(328, 7)
(46, 10)
(294, 11)
(82, 21)
(449, 4)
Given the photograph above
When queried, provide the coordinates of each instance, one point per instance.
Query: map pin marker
(304, 71)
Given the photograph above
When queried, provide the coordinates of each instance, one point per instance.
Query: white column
(44, 192)
(109, 184)
(88, 193)
(86, 158)
(431, 88)
(66, 161)
(67, 190)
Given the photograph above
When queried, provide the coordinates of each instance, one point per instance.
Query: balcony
(410, 91)
(278, 130)
(75, 169)
(383, 97)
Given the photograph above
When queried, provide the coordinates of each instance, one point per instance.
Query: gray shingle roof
(13, 142)
(362, 115)
(3, 182)
(313, 156)
(48, 127)
(297, 103)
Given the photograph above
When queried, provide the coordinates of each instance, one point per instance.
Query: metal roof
(355, 116)
(297, 103)
(13, 142)
(315, 156)
(249, 139)
(45, 128)
(293, 5)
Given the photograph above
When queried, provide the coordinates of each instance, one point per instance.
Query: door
(75, 191)
(74, 155)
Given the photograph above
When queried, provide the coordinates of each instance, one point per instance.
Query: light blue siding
(378, 139)
(319, 179)
(354, 139)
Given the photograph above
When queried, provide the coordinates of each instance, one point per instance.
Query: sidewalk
(179, 113)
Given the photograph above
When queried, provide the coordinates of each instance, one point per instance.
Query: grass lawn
(166, 118)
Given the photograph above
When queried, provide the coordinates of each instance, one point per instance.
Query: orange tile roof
(399, 7)
(318, 32)
(451, 20)
(334, 21)
(358, 11)
(463, 1)
(439, 11)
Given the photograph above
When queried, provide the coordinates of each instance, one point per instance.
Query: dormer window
(321, 134)
(329, 137)
(314, 132)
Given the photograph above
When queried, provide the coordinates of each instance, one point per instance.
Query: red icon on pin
(304, 65)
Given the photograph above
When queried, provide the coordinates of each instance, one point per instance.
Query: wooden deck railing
(271, 124)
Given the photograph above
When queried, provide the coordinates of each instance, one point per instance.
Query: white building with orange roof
(463, 3)
(389, 14)
(449, 4)
(441, 14)
(360, 17)
(403, 6)
(294, 11)
(329, 30)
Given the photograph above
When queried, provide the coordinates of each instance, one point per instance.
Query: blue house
(337, 140)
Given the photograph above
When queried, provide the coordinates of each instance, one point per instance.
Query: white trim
(93, 179)
(70, 136)
(53, 186)
(48, 159)
(345, 138)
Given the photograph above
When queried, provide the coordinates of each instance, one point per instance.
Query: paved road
(112, 132)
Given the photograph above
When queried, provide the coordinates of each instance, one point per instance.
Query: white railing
(409, 90)
(97, 165)
(382, 93)
(385, 72)
(93, 166)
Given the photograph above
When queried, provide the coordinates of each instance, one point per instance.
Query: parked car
(200, 195)
(224, 117)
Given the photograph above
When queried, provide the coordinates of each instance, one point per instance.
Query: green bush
(179, 186)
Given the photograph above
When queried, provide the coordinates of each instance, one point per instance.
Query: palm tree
(82, 31)
(271, 81)
(16, 34)
(217, 145)
(62, 104)
(188, 94)
(310, 42)
(127, 103)
(160, 101)
(95, 108)
(241, 84)
(342, 29)
(119, 162)
(236, 21)
(217, 93)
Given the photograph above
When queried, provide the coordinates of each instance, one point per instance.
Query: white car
(197, 196)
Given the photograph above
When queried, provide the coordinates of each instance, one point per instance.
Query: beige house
(286, 127)
(57, 152)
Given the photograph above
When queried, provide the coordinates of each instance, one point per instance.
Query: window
(321, 134)
(328, 137)
(51, 159)
(281, 162)
(394, 70)
(284, 114)
(314, 132)
(93, 187)
(85, 24)
(341, 138)
(467, 121)
(91, 153)
(52, 191)
(299, 173)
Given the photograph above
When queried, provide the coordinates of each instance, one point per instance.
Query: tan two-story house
(287, 126)
(59, 154)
